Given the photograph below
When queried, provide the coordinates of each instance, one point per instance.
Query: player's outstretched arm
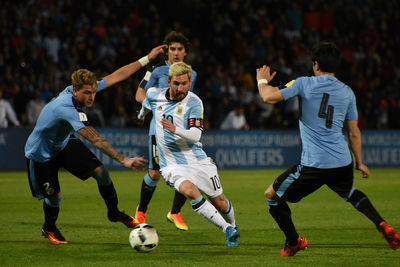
(104, 146)
(355, 146)
(268, 93)
(126, 71)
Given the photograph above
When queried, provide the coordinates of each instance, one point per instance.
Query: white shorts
(203, 174)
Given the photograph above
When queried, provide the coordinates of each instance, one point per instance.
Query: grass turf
(338, 234)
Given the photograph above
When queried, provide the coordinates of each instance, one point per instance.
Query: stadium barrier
(229, 149)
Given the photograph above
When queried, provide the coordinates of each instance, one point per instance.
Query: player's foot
(177, 219)
(391, 236)
(140, 216)
(129, 221)
(232, 236)
(302, 244)
(54, 236)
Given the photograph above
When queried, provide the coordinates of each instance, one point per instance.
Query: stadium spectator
(227, 43)
(184, 165)
(34, 107)
(7, 113)
(235, 120)
(326, 104)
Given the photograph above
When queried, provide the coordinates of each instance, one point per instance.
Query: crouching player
(51, 146)
(183, 164)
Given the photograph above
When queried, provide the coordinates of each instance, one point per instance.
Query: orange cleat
(141, 216)
(55, 236)
(288, 251)
(177, 219)
(391, 236)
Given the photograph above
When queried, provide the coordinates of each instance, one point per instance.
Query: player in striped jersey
(178, 48)
(184, 165)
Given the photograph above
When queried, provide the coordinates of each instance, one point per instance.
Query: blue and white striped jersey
(159, 79)
(60, 118)
(184, 114)
(325, 104)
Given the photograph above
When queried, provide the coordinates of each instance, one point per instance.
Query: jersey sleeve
(194, 78)
(153, 79)
(352, 113)
(75, 116)
(292, 88)
(196, 115)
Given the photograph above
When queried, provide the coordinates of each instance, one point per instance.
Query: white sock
(230, 214)
(208, 211)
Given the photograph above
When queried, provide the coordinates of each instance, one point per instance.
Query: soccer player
(178, 116)
(326, 104)
(178, 48)
(51, 146)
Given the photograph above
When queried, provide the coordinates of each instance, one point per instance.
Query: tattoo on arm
(99, 142)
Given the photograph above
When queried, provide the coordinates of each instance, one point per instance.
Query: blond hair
(180, 68)
(83, 77)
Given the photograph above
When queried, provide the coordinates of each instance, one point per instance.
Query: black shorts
(300, 181)
(153, 153)
(75, 158)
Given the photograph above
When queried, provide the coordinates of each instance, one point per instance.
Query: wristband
(262, 81)
(144, 61)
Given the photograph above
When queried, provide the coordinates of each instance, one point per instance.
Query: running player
(178, 116)
(178, 48)
(326, 105)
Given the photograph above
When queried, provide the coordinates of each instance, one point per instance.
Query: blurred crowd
(44, 41)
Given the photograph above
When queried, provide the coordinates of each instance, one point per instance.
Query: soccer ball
(144, 238)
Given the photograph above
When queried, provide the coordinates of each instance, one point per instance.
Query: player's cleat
(129, 221)
(391, 236)
(302, 244)
(232, 236)
(177, 219)
(141, 216)
(54, 236)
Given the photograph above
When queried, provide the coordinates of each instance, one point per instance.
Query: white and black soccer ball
(144, 238)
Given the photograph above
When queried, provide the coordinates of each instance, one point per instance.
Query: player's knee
(270, 193)
(356, 197)
(102, 176)
(54, 201)
(154, 174)
(189, 190)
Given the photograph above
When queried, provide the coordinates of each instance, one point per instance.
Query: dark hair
(177, 37)
(327, 55)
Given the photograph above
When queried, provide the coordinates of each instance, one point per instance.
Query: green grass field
(338, 234)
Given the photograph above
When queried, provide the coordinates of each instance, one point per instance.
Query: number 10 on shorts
(216, 182)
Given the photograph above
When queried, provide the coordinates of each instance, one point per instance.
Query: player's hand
(155, 51)
(136, 119)
(265, 73)
(137, 163)
(363, 169)
(168, 125)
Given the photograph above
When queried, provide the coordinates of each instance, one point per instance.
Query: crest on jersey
(180, 108)
(82, 116)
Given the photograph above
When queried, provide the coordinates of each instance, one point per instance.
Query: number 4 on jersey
(326, 111)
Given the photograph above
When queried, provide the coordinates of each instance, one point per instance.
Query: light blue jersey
(159, 79)
(60, 118)
(325, 104)
(184, 114)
